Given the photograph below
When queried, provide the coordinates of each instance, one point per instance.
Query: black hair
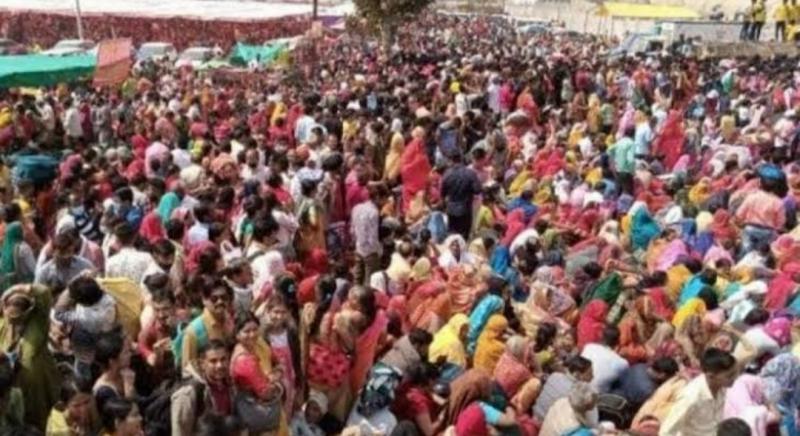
(244, 318)
(666, 365)
(125, 194)
(174, 229)
(12, 212)
(733, 426)
(611, 336)
(215, 230)
(159, 295)
(577, 364)
(115, 409)
(264, 227)
(125, 233)
(307, 187)
(709, 297)
(545, 335)
(212, 424)
(212, 345)
(715, 360)
(420, 337)
(163, 247)
(202, 213)
(421, 373)
(85, 291)
(708, 276)
(325, 289)
(593, 270)
(207, 260)
(756, 316)
(108, 347)
(216, 283)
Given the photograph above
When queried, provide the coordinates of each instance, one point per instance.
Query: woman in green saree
(23, 332)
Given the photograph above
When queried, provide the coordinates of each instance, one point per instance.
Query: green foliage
(387, 11)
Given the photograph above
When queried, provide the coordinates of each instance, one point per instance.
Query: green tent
(42, 70)
(242, 54)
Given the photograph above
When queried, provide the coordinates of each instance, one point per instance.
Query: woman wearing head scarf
(643, 228)
(23, 332)
(591, 323)
(151, 229)
(746, 400)
(488, 306)
(471, 388)
(513, 369)
(393, 165)
(635, 329)
(490, 345)
(454, 253)
(781, 384)
(414, 166)
(168, 203)
(783, 287)
(449, 342)
(692, 338)
(17, 263)
(577, 411)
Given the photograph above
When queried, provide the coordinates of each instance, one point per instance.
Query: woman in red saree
(591, 323)
(669, 143)
(369, 341)
(636, 328)
(414, 167)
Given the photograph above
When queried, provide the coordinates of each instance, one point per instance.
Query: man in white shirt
(698, 408)
(72, 121)
(302, 131)
(262, 254)
(198, 232)
(128, 262)
(607, 364)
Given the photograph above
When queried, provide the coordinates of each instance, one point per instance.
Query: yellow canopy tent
(646, 11)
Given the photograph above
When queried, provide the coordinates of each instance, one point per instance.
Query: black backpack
(614, 408)
(156, 410)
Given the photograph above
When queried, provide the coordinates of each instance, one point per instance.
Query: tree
(385, 16)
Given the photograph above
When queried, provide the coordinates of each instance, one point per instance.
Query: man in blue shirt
(623, 156)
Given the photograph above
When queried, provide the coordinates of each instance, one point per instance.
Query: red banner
(113, 62)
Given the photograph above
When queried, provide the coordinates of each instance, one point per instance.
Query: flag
(113, 62)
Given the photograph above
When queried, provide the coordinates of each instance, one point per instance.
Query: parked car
(156, 51)
(11, 47)
(194, 57)
(67, 47)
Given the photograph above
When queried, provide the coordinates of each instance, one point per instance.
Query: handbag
(258, 416)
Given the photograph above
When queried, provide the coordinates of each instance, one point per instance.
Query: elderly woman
(575, 412)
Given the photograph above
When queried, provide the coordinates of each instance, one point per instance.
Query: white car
(194, 57)
(67, 47)
(156, 51)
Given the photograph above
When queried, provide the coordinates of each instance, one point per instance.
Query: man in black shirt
(460, 185)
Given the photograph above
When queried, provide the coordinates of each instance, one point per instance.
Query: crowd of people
(471, 232)
(42, 30)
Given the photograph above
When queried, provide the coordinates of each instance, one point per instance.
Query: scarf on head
(8, 266)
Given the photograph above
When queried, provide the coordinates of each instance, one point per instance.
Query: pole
(315, 11)
(78, 18)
